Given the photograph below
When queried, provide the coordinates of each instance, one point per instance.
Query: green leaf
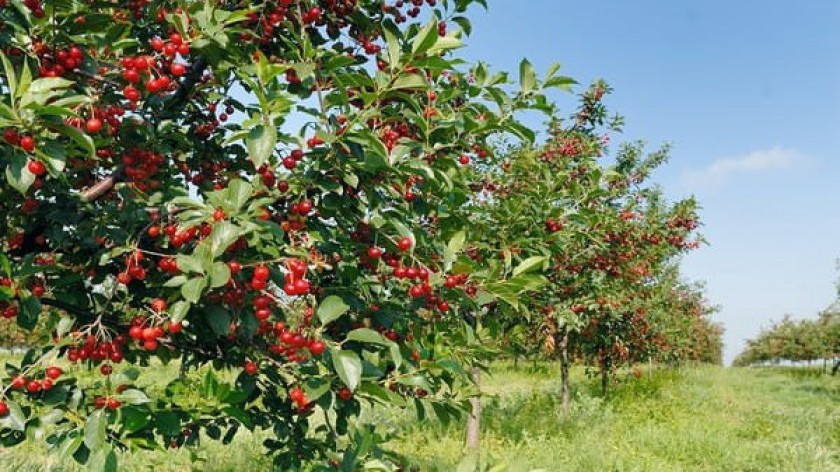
(189, 264)
(104, 460)
(446, 43)
(134, 419)
(529, 264)
(348, 366)
(179, 311)
(132, 396)
(563, 83)
(193, 288)
(96, 430)
(239, 191)
(223, 235)
(218, 319)
(167, 422)
(331, 308)
(82, 139)
(220, 275)
(11, 76)
(367, 335)
(18, 175)
(527, 77)
(69, 447)
(15, 420)
(426, 38)
(260, 141)
(393, 44)
(412, 81)
(30, 310)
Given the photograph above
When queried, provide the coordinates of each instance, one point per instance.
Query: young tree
(272, 188)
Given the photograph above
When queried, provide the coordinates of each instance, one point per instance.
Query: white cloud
(721, 170)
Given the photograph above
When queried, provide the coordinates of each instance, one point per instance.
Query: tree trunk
(564, 370)
(474, 418)
(605, 376)
(836, 367)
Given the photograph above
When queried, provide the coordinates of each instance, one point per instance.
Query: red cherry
(251, 368)
(158, 305)
(157, 44)
(27, 143)
(374, 252)
(405, 243)
(218, 215)
(317, 347)
(33, 386)
(18, 382)
(37, 167)
(234, 267)
(297, 395)
(4, 410)
(345, 394)
(113, 403)
(261, 273)
(53, 372)
(177, 69)
(175, 327)
(106, 369)
(93, 125)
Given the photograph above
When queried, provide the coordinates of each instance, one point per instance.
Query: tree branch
(174, 104)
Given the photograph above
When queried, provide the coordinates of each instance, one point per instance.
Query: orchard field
(702, 418)
(310, 235)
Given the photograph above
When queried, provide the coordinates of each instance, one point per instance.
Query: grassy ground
(698, 419)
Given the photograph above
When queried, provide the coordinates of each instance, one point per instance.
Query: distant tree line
(792, 340)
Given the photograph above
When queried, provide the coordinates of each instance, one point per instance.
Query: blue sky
(748, 92)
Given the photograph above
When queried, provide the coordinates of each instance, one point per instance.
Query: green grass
(697, 419)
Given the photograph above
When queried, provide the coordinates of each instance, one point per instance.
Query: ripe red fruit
(297, 395)
(27, 143)
(53, 372)
(261, 273)
(251, 368)
(304, 207)
(36, 167)
(154, 231)
(18, 382)
(113, 403)
(106, 369)
(234, 267)
(157, 44)
(177, 69)
(123, 278)
(374, 252)
(404, 243)
(99, 402)
(175, 327)
(136, 332)
(218, 215)
(150, 345)
(4, 410)
(93, 125)
(33, 386)
(158, 305)
(345, 394)
(317, 347)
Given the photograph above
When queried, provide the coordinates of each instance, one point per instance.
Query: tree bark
(473, 440)
(605, 376)
(564, 370)
(835, 368)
